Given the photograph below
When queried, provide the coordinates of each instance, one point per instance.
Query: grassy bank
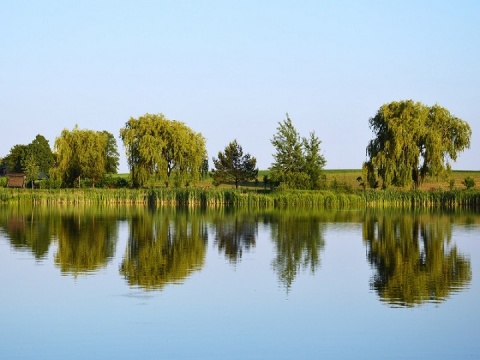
(346, 180)
(342, 190)
(243, 198)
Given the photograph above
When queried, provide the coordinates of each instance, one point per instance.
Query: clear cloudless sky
(233, 69)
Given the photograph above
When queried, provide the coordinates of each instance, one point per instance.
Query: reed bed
(418, 198)
(232, 197)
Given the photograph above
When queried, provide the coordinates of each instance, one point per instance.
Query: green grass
(349, 177)
(232, 197)
(342, 190)
(346, 178)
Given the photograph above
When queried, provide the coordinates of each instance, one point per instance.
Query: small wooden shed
(16, 180)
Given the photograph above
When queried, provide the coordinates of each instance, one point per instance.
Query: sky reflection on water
(267, 285)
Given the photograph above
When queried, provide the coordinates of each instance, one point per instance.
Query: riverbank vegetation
(339, 195)
(168, 164)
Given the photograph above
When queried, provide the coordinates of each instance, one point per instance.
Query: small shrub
(121, 183)
(341, 186)
(469, 182)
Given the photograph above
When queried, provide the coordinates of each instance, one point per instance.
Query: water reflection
(164, 247)
(27, 229)
(298, 238)
(235, 232)
(86, 241)
(86, 235)
(414, 258)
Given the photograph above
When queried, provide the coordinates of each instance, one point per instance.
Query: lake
(191, 283)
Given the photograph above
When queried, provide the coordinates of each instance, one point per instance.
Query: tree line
(411, 141)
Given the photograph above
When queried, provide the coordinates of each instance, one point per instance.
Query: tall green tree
(38, 150)
(42, 153)
(233, 165)
(314, 162)
(15, 158)
(413, 141)
(162, 149)
(111, 152)
(298, 162)
(81, 154)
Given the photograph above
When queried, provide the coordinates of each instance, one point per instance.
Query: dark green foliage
(112, 155)
(298, 162)
(204, 170)
(233, 166)
(14, 160)
(341, 186)
(468, 182)
(35, 158)
(42, 153)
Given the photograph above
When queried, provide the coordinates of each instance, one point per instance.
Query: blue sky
(233, 69)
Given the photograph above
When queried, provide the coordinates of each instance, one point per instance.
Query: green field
(350, 177)
(339, 179)
(347, 179)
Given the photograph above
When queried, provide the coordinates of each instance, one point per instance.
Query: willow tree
(81, 154)
(413, 141)
(163, 149)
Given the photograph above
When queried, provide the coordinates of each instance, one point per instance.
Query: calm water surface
(123, 283)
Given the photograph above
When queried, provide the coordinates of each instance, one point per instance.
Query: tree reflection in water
(298, 238)
(413, 258)
(163, 248)
(86, 235)
(86, 241)
(412, 253)
(27, 228)
(235, 232)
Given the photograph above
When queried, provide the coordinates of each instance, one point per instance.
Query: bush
(469, 182)
(341, 186)
(50, 184)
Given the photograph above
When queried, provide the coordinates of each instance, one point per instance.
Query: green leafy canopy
(158, 148)
(413, 141)
(298, 162)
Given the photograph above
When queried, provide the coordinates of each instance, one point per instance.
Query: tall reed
(232, 197)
